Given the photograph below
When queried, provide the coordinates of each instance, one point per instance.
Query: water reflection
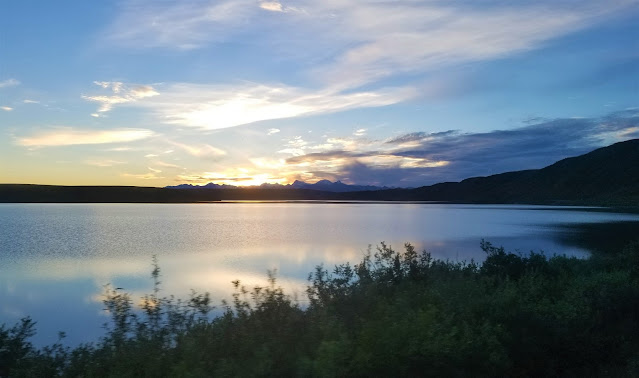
(56, 258)
(606, 237)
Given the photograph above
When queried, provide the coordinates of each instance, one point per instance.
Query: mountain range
(605, 176)
(322, 185)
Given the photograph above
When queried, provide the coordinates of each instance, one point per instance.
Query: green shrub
(392, 314)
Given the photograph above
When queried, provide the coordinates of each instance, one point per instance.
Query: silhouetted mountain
(322, 185)
(606, 176)
(210, 185)
(337, 186)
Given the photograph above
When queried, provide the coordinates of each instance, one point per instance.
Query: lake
(56, 258)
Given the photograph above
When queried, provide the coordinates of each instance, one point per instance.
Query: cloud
(143, 176)
(118, 149)
(104, 162)
(334, 162)
(143, 91)
(203, 151)
(363, 42)
(394, 38)
(123, 94)
(213, 107)
(180, 25)
(28, 101)
(272, 6)
(115, 86)
(422, 158)
(360, 132)
(6, 108)
(358, 47)
(272, 131)
(9, 83)
(66, 136)
(294, 146)
(265, 163)
(166, 165)
(322, 156)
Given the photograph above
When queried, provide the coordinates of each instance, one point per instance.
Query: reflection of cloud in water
(11, 311)
(469, 248)
(58, 257)
(65, 269)
(214, 271)
(211, 272)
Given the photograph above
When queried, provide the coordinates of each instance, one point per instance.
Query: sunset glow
(372, 93)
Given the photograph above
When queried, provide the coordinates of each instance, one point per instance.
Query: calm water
(56, 258)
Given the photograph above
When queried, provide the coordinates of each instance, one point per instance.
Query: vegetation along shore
(392, 314)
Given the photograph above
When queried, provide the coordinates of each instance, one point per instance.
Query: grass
(392, 314)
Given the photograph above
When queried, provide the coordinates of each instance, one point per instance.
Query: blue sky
(394, 93)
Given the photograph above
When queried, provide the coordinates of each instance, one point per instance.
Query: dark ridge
(608, 175)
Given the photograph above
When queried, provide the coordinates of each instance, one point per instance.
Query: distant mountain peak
(322, 185)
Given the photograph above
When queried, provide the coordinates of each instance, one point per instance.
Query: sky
(389, 93)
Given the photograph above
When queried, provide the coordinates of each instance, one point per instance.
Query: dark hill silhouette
(606, 176)
(336, 186)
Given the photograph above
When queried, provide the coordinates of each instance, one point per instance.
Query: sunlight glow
(233, 176)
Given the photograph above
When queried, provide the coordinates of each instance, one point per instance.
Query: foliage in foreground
(393, 314)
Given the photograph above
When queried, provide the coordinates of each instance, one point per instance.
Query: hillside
(608, 175)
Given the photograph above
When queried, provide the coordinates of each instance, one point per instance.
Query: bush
(393, 313)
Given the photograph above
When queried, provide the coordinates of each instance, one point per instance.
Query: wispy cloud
(9, 83)
(368, 41)
(143, 176)
(28, 101)
(272, 6)
(394, 38)
(6, 108)
(104, 162)
(122, 94)
(213, 107)
(360, 132)
(272, 131)
(115, 86)
(203, 151)
(165, 164)
(358, 48)
(66, 136)
(118, 149)
(181, 25)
